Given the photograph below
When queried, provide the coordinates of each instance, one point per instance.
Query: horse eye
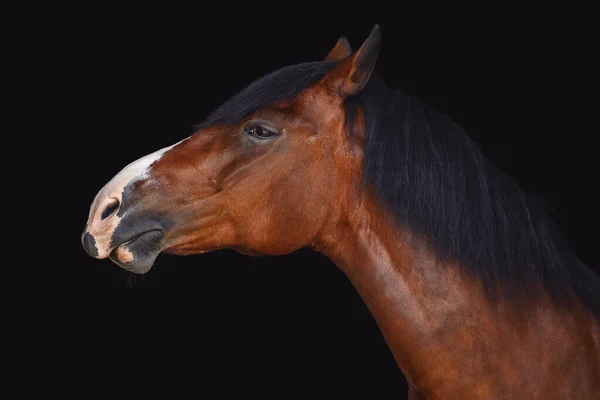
(260, 132)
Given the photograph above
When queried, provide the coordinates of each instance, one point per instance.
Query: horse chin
(138, 254)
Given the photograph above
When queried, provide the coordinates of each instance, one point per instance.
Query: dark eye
(260, 132)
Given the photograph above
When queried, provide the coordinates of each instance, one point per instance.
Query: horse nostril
(110, 209)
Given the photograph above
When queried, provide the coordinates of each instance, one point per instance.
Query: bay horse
(476, 292)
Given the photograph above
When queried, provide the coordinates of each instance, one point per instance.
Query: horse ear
(352, 74)
(340, 51)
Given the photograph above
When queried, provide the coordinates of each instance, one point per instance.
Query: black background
(126, 82)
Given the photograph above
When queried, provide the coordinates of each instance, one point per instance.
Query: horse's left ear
(352, 74)
(340, 51)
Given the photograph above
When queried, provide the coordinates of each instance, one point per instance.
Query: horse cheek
(298, 215)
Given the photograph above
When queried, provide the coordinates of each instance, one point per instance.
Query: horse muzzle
(132, 241)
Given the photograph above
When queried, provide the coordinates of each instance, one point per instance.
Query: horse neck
(409, 296)
(437, 321)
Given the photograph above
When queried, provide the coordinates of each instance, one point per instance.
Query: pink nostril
(110, 209)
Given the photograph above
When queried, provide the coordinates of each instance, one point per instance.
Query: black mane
(435, 180)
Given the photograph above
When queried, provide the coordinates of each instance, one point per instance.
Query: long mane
(437, 183)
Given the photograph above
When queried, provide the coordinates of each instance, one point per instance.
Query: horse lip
(137, 257)
(135, 237)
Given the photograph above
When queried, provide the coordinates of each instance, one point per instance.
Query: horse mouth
(138, 254)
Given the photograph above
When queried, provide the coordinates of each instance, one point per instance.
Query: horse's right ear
(352, 74)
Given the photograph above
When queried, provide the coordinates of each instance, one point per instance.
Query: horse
(474, 288)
